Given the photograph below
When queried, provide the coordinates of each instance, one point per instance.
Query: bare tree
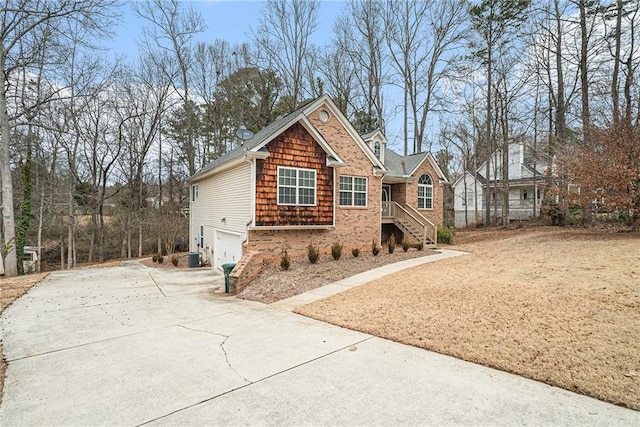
(587, 15)
(338, 73)
(492, 20)
(171, 33)
(144, 101)
(24, 20)
(421, 36)
(284, 34)
(623, 47)
(360, 33)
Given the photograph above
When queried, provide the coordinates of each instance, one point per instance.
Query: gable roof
(369, 135)
(256, 144)
(264, 136)
(471, 174)
(313, 105)
(404, 166)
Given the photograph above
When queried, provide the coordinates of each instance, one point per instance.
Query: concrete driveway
(131, 345)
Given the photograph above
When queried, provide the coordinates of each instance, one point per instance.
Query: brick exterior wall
(245, 271)
(354, 226)
(295, 147)
(435, 215)
(399, 193)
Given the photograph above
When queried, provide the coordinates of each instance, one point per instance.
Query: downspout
(336, 192)
(381, 174)
(190, 214)
(252, 165)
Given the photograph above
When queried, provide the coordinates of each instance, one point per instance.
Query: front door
(386, 193)
(386, 197)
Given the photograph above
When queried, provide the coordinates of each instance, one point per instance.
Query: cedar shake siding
(293, 148)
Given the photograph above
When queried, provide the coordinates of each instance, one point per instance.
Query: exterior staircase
(410, 222)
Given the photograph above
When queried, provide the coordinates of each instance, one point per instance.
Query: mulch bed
(273, 284)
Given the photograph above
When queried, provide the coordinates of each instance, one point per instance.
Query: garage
(227, 248)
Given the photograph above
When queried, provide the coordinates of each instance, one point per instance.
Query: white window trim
(194, 192)
(468, 201)
(425, 186)
(297, 187)
(353, 192)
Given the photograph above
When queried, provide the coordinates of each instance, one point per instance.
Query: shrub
(336, 250)
(160, 259)
(405, 244)
(375, 250)
(155, 257)
(392, 243)
(355, 252)
(420, 245)
(313, 253)
(445, 235)
(174, 260)
(285, 261)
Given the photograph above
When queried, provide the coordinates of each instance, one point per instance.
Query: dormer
(376, 142)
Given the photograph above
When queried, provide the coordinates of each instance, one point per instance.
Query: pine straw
(561, 307)
(274, 284)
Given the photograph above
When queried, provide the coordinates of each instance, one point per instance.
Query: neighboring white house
(525, 189)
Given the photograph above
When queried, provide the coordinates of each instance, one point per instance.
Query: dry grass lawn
(559, 306)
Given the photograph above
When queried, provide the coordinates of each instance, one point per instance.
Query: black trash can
(227, 269)
(194, 259)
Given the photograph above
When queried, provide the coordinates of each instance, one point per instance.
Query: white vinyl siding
(224, 202)
(353, 191)
(296, 186)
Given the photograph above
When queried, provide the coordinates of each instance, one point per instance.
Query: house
(309, 177)
(525, 188)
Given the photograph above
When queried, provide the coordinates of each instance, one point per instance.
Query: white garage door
(227, 248)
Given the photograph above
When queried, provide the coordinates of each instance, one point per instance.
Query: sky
(229, 20)
(233, 21)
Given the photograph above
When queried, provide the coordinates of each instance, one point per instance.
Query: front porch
(408, 220)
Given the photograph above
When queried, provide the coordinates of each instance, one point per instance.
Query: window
(296, 187)
(353, 191)
(194, 192)
(469, 200)
(425, 192)
(376, 148)
(525, 194)
(201, 242)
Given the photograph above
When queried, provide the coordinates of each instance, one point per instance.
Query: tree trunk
(505, 163)
(489, 136)
(101, 235)
(9, 255)
(70, 234)
(62, 260)
(92, 237)
(561, 121)
(615, 86)
(584, 78)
